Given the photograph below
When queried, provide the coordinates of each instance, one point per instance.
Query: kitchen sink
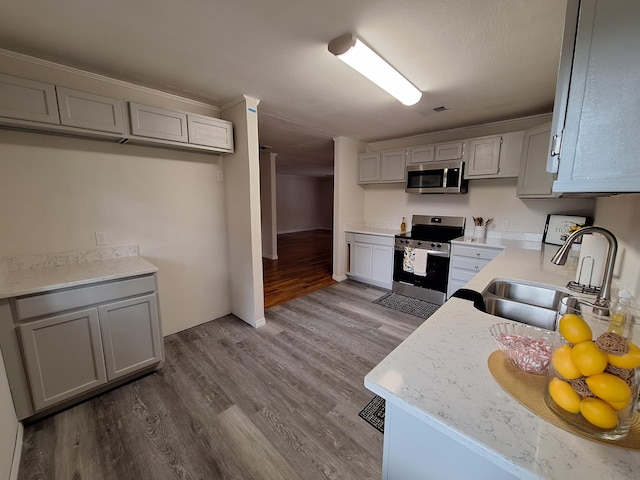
(536, 305)
(540, 296)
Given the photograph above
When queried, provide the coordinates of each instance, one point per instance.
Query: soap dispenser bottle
(403, 225)
(619, 313)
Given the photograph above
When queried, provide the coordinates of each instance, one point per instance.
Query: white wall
(303, 203)
(268, 212)
(486, 198)
(348, 198)
(621, 215)
(56, 192)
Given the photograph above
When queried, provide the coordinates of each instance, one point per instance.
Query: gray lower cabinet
(63, 356)
(81, 340)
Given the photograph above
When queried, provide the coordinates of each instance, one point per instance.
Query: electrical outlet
(220, 175)
(505, 225)
(101, 238)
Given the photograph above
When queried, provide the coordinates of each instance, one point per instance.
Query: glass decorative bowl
(528, 348)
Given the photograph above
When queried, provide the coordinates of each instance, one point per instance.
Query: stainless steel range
(421, 257)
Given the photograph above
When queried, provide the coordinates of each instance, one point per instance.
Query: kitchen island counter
(438, 378)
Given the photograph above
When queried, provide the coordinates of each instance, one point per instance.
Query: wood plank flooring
(304, 265)
(233, 402)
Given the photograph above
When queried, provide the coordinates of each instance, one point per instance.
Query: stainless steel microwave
(437, 177)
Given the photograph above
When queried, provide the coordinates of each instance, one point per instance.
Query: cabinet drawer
(473, 264)
(461, 275)
(374, 239)
(475, 252)
(37, 305)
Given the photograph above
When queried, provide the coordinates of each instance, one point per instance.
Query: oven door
(437, 271)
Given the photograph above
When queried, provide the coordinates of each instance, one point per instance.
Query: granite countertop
(24, 275)
(456, 394)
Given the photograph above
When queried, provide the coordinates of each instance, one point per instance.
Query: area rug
(373, 413)
(412, 306)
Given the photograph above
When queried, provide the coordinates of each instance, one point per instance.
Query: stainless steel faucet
(601, 306)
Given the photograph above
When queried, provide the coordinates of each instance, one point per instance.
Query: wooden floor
(234, 402)
(304, 265)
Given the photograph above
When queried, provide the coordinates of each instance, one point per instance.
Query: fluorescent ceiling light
(352, 51)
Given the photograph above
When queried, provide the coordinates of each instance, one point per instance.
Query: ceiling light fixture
(352, 51)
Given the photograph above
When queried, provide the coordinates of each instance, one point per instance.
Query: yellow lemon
(631, 359)
(564, 395)
(598, 413)
(609, 387)
(562, 363)
(589, 359)
(574, 328)
(620, 405)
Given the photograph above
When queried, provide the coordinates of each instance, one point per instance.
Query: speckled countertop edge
(29, 274)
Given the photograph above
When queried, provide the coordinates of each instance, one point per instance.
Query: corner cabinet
(371, 258)
(597, 112)
(534, 181)
(81, 340)
(384, 167)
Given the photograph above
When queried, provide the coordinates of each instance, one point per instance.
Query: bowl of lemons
(593, 379)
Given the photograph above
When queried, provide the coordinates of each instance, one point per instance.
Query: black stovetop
(434, 229)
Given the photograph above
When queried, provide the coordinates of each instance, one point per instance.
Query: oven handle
(435, 253)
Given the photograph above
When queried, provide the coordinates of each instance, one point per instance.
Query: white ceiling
(485, 60)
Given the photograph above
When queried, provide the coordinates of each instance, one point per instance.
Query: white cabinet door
(90, 111)
(158, 123)
(361, 265)
(423, 154)
(534, 181)
(393, 166)
(382, 265)
(598, 151)
(369, 168)
(211, 132)
(483, 156)
(63, 356)
(448, 151)
(131, 335)
(24, 99)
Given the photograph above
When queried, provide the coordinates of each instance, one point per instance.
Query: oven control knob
(434, 245)
(419, 243)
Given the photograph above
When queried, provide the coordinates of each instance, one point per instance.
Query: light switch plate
(101, 238)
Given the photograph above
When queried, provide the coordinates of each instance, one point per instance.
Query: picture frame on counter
(558, 227)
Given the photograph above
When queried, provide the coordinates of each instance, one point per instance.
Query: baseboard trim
(17, 452)
(270, 257)
(339, 278)
(309, 229)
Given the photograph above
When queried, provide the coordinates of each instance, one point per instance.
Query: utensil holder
(480, 231)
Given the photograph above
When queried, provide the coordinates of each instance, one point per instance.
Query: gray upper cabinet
(423, 154)
(63, 356)
(493, 156)
(594, 133)
(448, 151)
(483, 156)
(23, 99)
(385, 167)
(534, 181)
(90, 111)
(211, 132)
(153, 122)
